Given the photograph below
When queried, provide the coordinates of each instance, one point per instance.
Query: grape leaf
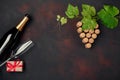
(63, 20)
(88, 23)
(88, 12)
(107, 16)
(72, 11)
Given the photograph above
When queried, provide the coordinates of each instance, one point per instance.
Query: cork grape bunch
(88, 36)
(88, 28)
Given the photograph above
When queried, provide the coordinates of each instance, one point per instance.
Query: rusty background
(60, 54)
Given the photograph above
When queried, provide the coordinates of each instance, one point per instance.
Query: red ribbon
(12, 67)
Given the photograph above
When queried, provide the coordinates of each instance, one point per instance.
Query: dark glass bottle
(10, 39)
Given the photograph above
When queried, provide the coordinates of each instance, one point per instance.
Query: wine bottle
(11, 38)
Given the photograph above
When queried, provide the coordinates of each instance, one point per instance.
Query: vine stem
(59, 26)
(96, 17)
(79, 17)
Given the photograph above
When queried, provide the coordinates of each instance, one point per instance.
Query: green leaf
(63, 20)
(108, 20)
(88, 10)
(72, 11)
(107, 16)
(88, 23)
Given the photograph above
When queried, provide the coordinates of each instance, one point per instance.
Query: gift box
(14, 66)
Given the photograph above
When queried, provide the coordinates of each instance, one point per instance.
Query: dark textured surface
(60, 55)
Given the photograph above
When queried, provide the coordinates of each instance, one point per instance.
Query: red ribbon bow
(12, 67)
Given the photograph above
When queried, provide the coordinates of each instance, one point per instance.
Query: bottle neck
(21, 25)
